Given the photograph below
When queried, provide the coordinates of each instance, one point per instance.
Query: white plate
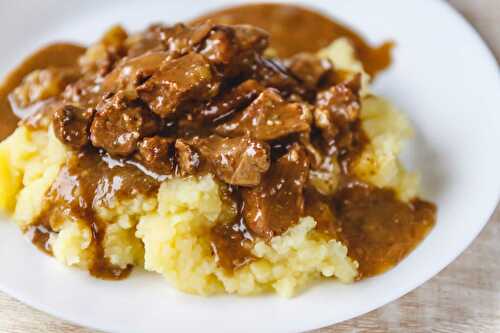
(443, 76)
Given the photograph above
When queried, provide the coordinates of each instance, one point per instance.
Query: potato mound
(176, 246)
(169, 233)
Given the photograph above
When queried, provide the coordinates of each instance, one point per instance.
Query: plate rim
(488, 54)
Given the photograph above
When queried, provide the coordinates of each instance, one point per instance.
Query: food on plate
(225, 157)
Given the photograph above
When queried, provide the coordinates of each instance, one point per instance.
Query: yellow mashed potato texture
(169, 233)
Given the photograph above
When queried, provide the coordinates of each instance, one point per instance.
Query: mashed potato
(379, 163)
(168, 233)
(176, 246)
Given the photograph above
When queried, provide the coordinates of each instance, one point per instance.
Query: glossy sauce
(54, 55)
(89, 180)
(378, 229)
(296, 29)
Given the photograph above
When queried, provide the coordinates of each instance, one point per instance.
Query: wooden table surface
(465, 297)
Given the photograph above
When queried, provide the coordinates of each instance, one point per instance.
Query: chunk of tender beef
(85, 93)
(236, 161)
(119, 125)
(232, 49)
(132, 72)
(273, 74)
(229, 102)
(220, 47)
(176, 40)
(314, 153)
(309, 68)
(251, 38)
(325, 173)
(327, 176)
(336, 108)
(277, 202)
(244, 52)
(219, 43)
(188, 159)
(181, 39)
(157, 154)
(71, 125)
(233, 46)
(178, 82)
(269, 117)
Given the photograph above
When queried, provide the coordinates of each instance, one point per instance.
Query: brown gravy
(378, 229)
(365, 218)
(89, 180)
(296, 29)
(54, 55)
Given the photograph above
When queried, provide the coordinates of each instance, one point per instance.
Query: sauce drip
(53, 55)
(378, 229)
(295, 29)
(88, 181)
(230, 246)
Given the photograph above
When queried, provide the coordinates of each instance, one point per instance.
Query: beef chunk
(234, 49)
(219, 43)
(272, 73)
(309, 68)
(178, 82)
(220, 47)
(71, 125)
(85, 93)
(314, 153)
(269, 117)
(326, 177)
(337, 108)
(157, 154)
(231, 101)
(130, 73)
(325, 171)
(188, 159)
(119, 125)
(277, 202)
(251, 38)
(236, 161)
(337, 117)
(228, 47)
(181, 39)
(176, 40)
